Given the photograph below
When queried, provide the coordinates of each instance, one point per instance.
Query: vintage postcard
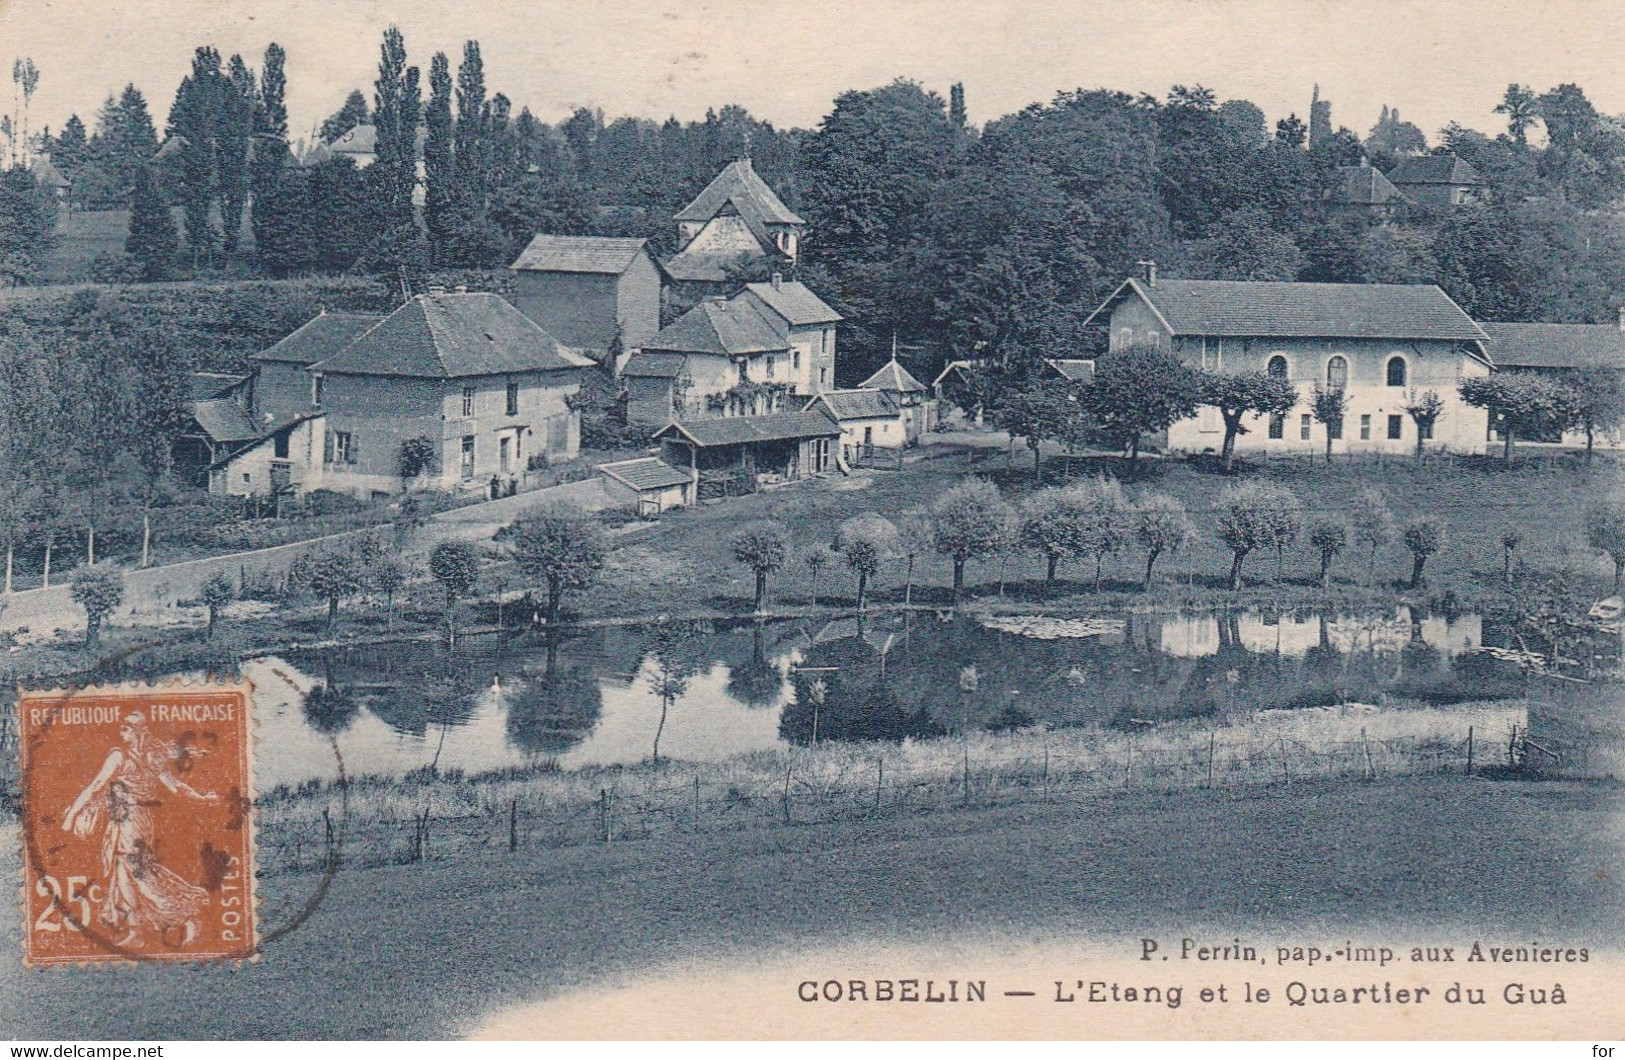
(806, 520)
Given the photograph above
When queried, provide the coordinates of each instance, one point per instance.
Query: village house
(738, 356)
(741, 454)
(472, 388)
(1363, 190)
(1564, 352)
(233, 449)
(1381, 344)
(735, 226)
(1436, 181)
(914, 400)
(595, 295)
(870, 422)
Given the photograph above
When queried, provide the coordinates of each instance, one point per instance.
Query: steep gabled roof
(734, 327)
(794, 302)
(224, 420)
(1434, 169)
(1556, 345)
(738, 184)
(859, 404)
(1244, 309)
(739, 430)
(319, 338)
(449, 336)
(204, 385)
(894, 378)
(1073, 370)
(1366, 186)
(590, 254)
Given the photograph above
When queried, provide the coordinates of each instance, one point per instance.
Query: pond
(621, 695)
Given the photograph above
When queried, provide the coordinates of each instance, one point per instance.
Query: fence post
(1046, 774)
(1285, 771)
(1212, 745)
(1469, 750)
(603, 813)
(880, 781)
(513, 825)
(786, 797)
(1370, 766)
(967, 775)
(696, 802)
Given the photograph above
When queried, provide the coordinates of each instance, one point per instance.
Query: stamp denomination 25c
(137, 835)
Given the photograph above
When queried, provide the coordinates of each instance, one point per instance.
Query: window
(280, 446)
(1277, 368)
(1365, 428)
(825, 340)
(1337, 373)
(1153, 339)
(1304, 426)
(823, 376)
(1426, 431)
(344, 447)
(513, 397)
(1334, 429)
(246, 479)
(1396, 427)
(1125, 338)
(1277, 427)
(772, 362)
(468, 401)
(795, 360)
(468, 457)
(1396, 371)
(316, 390)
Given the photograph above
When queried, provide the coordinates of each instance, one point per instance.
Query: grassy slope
(685, 561)
(422, 950)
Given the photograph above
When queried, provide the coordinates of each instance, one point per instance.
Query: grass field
(427, 949)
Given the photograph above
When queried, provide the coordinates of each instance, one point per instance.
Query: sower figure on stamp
(140, 896)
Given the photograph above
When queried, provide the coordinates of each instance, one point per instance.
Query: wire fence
(407, 827)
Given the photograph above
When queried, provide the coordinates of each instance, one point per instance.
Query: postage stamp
(136, 828)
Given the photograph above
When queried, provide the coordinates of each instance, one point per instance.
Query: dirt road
(428, 950)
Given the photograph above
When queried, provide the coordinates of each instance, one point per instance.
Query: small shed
(740, 454)
(870, 420)
(648, 485)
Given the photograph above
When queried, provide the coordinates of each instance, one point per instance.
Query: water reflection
(617, 696)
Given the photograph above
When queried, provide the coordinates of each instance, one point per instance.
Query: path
(149, 593)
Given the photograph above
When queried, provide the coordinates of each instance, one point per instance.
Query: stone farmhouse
(737, 356)
(1381, 344)
(737, 224)
(595, 295)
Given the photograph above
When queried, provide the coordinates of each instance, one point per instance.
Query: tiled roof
(578, 254)
(705, 266)
(1556, 345)
(858, 404)
(732, 327)
(795, 302)
(647, 473)
(319, 338)
(1074, 370)
(750, 195)
(1434, 169)
(1244, 309)
(204, 385)
(655, 365)
(737, 430)
(895, 378)
(223, 420)
(1366, 186)
(449, 336)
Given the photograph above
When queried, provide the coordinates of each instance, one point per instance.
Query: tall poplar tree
(473, 130)
(439, 167)
(397, 102)
(152, 240)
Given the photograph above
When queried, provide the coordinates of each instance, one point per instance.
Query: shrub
(98, 590)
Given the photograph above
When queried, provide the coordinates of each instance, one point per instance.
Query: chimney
(437, 288)
(778, 281)
(1148, 272)
(462, 288)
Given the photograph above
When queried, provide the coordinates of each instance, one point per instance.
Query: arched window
(1396, 371)
(1337, 373)
(1277, 367)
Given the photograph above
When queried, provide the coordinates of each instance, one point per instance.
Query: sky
(1436, 60)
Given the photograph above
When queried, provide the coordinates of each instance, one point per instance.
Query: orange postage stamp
(137, 835)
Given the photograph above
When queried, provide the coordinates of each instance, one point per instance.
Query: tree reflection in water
(757, 682)
(554, 711)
